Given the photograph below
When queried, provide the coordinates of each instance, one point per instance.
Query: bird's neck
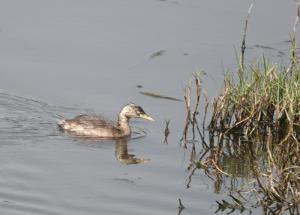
(123, 124)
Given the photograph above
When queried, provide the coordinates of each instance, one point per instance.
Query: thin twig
(243, 46)
(167, 131)
(180, 206)
(190, 177)
(294, 56)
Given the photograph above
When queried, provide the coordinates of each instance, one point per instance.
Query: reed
(253, 134)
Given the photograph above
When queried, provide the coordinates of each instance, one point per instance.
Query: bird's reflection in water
(121, 146)
(124, 157)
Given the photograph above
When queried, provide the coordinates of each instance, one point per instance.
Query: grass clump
(252, 144)
(266, 99)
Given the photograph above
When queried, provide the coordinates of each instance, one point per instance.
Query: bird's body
(95, 126)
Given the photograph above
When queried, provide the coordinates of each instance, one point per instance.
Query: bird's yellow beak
(147, 117)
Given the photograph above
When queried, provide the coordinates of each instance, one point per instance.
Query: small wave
(24, 119)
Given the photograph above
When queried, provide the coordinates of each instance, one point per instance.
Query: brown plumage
(95, 126)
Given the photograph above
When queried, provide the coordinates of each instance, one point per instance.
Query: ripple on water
(41, 179)
(20, 192)
(23, 119)
(27, 119)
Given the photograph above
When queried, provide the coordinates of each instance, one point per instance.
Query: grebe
(95, 126)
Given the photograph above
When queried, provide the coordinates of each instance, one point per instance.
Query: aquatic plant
(266, 97)
(251, 145)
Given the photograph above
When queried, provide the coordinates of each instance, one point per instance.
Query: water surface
(64, 58)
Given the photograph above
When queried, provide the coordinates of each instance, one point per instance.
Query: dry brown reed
(252, 143)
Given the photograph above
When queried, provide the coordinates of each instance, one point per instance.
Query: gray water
(63, 58)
